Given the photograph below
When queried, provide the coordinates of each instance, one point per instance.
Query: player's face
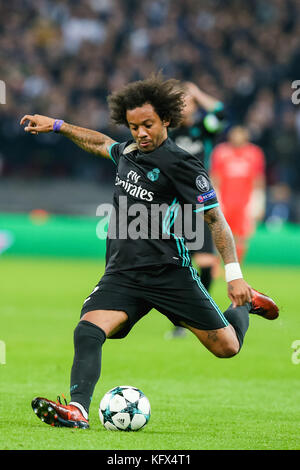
(238, 136)
(146, 127)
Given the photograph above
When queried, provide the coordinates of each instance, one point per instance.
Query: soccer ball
(124, 408)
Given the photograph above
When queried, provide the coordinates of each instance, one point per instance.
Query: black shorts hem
(130, 311)
(175, 292)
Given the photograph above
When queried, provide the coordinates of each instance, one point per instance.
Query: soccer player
(238, 173)
(149, 271)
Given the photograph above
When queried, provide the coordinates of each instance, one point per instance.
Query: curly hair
(166, 97)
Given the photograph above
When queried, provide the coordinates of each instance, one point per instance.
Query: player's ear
(166, 123)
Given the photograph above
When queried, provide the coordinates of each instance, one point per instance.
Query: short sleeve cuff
(110, 151)
(205, 208)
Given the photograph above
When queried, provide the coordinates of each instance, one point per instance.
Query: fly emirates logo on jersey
(132, 186)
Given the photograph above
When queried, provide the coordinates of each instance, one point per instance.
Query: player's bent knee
(222, 342)
(226, 350)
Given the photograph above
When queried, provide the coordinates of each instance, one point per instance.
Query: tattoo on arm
(87, 139)
(221, 234)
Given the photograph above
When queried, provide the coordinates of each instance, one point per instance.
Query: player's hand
(239, 292)
(37, 123)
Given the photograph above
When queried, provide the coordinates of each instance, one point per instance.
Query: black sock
(88, 341)
(238, 317)
(206, 277)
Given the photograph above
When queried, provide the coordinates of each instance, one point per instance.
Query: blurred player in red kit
(238, 173)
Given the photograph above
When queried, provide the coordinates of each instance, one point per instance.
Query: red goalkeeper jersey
(236, 169)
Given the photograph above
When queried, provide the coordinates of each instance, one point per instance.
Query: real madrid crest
(153, 175)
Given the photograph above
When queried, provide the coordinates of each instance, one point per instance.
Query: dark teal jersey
(151, 190)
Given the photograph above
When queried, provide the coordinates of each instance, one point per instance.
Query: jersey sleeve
(193, 185)
(115, 151)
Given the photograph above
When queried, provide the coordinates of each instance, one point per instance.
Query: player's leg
(111, 310)
(227, 341)
(224, 332)
(187, 303)
(89, 336)
(222, 342)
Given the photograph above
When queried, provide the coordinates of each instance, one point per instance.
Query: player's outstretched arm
(239, 291)
(89, 140)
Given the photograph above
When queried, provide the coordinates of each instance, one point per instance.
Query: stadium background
(62, 58)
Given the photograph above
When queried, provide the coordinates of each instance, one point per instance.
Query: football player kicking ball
(146, 273)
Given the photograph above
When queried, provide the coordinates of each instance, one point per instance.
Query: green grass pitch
(198, 401)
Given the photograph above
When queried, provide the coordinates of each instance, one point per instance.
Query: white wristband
(232, 272)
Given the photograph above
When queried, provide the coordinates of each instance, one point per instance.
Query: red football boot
(56, 414)
(263, 305)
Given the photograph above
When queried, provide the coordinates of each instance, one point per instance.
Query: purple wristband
(57, 125)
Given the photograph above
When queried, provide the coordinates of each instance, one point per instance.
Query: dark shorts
(174, 291)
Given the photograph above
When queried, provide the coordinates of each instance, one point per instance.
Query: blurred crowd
(62, 57)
